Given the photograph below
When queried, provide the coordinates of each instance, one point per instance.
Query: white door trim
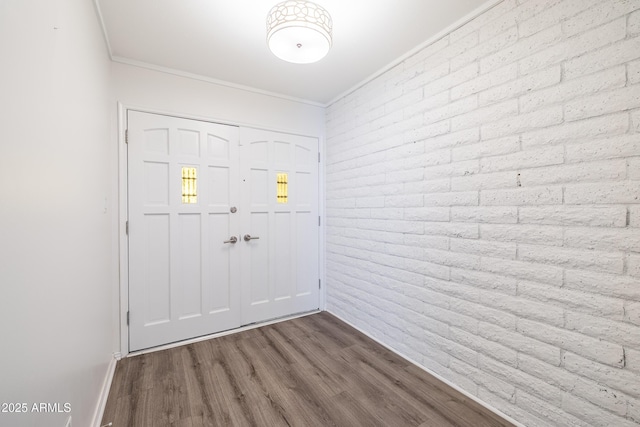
(123, 197)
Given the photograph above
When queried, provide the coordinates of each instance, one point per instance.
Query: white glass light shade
(299, 31)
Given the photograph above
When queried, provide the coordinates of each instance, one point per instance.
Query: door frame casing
(123, 176)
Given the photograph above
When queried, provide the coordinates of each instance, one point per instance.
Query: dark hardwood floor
(310, 371)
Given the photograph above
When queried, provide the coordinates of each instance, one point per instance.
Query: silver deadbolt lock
(233, 209)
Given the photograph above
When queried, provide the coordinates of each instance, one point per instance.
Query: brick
(634, 216)
(436, 242)
(606, 102)
(421, 76)
(633, 364)
(632, 313)
(572, 258)
(480, 247)
(575, 46)
(485, 81)
(501, 40)
(593, 348)
(535, 234)
(633, 265)
(404, 175)
(616, 332)
(591, 413)
(607, 239)
(577, 131)
(578, 300)
(551, 15)
(441, 185)
(608, 79)
(421, 133)
(483, 313)
(449, 140)
(468, 198)
(603, 193)
(499, 387)
(486, 114)
(608, 148)
(403, 201)
(450, 80)
(426, 104)
(591, 216)
(439, 157)
(606, 57)
(490, 214)
(523, 123)
(396, 104)
(452, 259)
(624, 287)
(484, 181)
(386, 213)
(480, 279)
(633, 72)
(548, 411)
(483, 20)
(492, 147)
(523, 159)
(522, 48)
(635, 122)
(522, 196)
(634, 22)
(597, 15)
(426, 214)
(520, 343)
(497, 351)
(567, 381)
(542, 79)
(452, 169)
(633, 168)
(452, 290)
(454, 49)
(451, 109)
(621, 379)
(520, 379)
(418, 59)
(524, 416)
(453, 229)
(522, 270)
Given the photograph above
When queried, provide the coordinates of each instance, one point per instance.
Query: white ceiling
(225, 40)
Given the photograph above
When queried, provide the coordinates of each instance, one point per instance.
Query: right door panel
(279, 186)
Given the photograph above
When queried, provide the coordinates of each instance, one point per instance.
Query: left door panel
(182, 189)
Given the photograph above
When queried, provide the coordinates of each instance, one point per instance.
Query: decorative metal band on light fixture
(299, 31)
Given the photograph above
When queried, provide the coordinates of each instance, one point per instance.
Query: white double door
(223, 227)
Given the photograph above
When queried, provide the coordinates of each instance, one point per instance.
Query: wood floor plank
(310, 371)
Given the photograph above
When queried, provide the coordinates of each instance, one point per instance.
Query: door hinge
(126, 136)
(126, 228)
(319, 283)
(127, 318)
(318, 157)
(319, 222)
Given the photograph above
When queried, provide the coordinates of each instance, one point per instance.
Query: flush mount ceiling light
(299, 31)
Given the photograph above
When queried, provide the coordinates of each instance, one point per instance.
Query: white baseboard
(104, 393)
(427, 370)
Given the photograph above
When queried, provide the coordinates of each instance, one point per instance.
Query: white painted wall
(56, 279)
(483, 203)
(151, 89)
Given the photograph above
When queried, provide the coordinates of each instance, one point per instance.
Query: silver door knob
(248, 237)
(232, 239)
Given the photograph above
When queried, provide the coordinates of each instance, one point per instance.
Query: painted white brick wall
(483, 209)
